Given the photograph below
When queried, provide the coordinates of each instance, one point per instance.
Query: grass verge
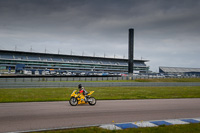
(101, 93)
(188, 128)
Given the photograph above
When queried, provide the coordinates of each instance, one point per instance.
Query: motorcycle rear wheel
(73, 101)
(92, 102)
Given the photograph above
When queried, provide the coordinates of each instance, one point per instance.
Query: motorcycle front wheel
(73, 101)
(92, 101)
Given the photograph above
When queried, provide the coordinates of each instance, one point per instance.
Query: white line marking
(176, 121)
(110, 127)
(145, 124)
(198, 119)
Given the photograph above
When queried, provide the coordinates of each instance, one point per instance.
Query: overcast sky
(167, 32)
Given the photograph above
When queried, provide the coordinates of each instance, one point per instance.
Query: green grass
(188, 128)
(101, 93)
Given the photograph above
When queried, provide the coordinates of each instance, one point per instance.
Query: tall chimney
(130, 51)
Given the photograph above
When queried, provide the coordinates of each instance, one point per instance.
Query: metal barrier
(60, 79)
(38, 82)
(91, 84)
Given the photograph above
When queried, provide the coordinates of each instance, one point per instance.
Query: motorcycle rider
(83, 91)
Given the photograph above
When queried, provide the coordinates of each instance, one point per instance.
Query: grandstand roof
(63, 55)
(178, 69)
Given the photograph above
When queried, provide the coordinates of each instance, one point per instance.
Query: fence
(60, 79)
(92, 84)
(39, 82)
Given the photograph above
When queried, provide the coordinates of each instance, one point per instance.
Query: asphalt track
(45, 115)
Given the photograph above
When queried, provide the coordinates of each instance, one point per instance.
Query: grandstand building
(20, 62)
(179, 71)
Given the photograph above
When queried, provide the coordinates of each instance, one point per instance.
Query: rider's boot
(86, 98)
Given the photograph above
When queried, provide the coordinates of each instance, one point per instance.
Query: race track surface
(44, 115)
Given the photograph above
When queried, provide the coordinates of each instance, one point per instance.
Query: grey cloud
(101, 26)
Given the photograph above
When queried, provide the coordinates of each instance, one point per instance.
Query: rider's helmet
(79, 86)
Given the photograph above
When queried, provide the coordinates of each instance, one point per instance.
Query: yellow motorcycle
(79, 98)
